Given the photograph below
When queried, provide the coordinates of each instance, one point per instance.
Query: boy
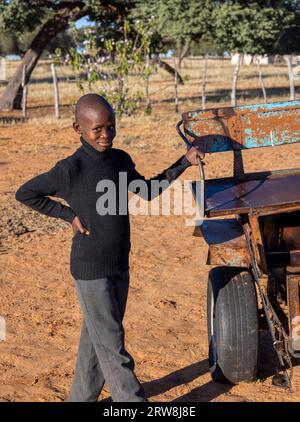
(100, 247)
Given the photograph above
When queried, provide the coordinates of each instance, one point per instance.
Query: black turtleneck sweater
(105, 251)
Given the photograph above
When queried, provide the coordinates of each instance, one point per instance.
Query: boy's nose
(104, 134)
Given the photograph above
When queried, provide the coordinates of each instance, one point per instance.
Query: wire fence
(59, 84)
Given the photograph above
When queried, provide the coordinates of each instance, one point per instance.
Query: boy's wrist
(68, 215)
(185, 161)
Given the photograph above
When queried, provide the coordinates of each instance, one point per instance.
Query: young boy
(100, 248)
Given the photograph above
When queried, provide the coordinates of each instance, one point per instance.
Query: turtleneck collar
(91, 151)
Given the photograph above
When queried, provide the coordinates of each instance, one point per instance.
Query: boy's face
(97, 126)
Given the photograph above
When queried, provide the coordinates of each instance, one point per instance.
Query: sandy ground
(165, 320)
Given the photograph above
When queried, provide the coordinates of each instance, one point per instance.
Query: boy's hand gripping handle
(201, 171)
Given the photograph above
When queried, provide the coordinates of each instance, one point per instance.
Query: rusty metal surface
(226, 240)
(253, 126)
(230, 196)
(293, 297)
(291, 237)
(258, 243)
(283, 258)
(281, 234)
(231, 256)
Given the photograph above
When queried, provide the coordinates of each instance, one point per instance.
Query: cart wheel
(233, 325)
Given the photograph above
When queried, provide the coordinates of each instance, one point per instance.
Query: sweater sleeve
(169, 175)
(54, 182)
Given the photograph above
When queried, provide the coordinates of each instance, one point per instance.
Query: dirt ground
(165, 320)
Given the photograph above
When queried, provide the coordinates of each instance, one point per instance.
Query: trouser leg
(101, 354)
(88, 377)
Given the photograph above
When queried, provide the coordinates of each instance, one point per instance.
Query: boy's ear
(77, 128)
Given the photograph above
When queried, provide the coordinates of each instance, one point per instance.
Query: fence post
(2, 328)
(2, 69)
(176, 87)
(234, 80)
(24, 96)
(148, 99)
(204, 76)
(288, 61)
(55, 89)
(261, 79)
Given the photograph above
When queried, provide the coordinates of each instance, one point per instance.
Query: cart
(251, 223)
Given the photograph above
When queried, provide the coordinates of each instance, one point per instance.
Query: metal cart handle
(201, 171)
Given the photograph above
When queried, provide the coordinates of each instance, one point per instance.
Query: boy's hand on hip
(77, 226)
(193, 154)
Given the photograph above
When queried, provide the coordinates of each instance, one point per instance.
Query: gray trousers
(101, 353)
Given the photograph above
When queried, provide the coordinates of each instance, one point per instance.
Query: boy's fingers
(82, 229)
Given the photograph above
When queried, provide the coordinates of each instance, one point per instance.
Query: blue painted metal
(244, 127)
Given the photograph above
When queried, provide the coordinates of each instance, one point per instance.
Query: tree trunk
(24, 91)
(12, 96)
(182, 51)
(164, 65)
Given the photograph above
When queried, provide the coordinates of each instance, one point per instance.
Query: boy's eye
(98, 129)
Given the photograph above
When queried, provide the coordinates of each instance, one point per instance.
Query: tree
(178, 23)
(108, 62)
(10, 43)
(252, 27)
(52, 17)
(289, 43)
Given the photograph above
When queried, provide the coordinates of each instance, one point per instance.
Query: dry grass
(40, 93)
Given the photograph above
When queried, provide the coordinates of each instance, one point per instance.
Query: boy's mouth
(104, 144)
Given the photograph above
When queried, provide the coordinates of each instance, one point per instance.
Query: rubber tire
(233, 325)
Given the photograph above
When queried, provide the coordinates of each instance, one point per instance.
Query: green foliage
(175, 21)
(252, 27)
(18, 15)
(64, 41)
(208, 45)
(109, 62)
(180, 19)
(148, 110)
(289, 41)
(20, 21)
(9, 44)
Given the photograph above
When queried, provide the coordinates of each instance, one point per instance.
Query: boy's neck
(91, 151)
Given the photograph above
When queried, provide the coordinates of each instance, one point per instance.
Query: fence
(202, 67)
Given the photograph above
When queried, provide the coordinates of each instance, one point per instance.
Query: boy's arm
(170, 174)
(54, 182)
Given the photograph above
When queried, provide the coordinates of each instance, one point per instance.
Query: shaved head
(95, 121)
(90, 103)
